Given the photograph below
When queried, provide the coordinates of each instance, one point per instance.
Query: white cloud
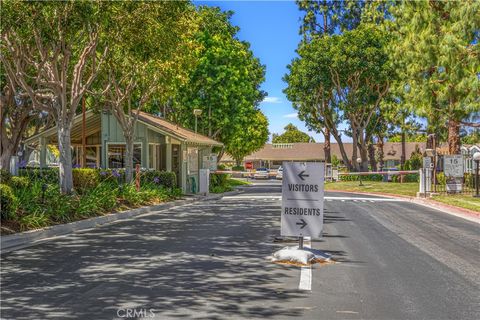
(271, 100)
(291, 115)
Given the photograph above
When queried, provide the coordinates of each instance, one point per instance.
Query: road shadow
(203, 261)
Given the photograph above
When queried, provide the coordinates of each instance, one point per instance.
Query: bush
(8, 202)
(410, 177)
(218, 180)
(370, 177)
(45, 175)
(238, 168)
(5, 176)
(159, 178)
(85, 179)
(130, 195)
(103, 198)
(441, 180)
(19, 182)
(469, 180)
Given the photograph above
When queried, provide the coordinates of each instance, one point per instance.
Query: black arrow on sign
(301, 175)
(302, 224)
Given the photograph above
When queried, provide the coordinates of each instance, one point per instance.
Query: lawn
(463, 201)
(404, 189)
(225, 184)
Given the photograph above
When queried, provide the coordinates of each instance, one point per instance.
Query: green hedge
(85, 179)
(161, 178)
(45, 175)
(238, 168)
(410, 177)
(5, 176)
(19, 182)
(370, 177)
(8, 202)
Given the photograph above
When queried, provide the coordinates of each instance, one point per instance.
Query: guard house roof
(176, 130)
(93, 124)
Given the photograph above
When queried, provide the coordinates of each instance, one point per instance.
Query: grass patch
(403, 189)
(228, 185)
(462, 201)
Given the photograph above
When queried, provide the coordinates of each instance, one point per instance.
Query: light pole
(359, 161)
(196, 113)
(476, 158)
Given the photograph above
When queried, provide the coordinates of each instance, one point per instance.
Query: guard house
(159, 145)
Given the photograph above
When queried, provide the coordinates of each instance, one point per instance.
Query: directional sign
(302, 199)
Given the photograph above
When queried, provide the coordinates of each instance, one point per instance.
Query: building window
(156, 157)
(117, 155)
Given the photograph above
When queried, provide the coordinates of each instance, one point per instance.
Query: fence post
(137, 177)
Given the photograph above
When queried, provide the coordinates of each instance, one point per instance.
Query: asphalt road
(208, 260)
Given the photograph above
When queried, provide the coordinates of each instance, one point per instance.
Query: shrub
(130, 195)
(85, 179)
(34, 220)
(159, 178)
(218, 180)
(19, 182)
(45, 175)
(8, 202)
(410, 177)
(469, 180)
(441, 178)
(5, 176)
(370, 177)
(103, 198)
(238, 168)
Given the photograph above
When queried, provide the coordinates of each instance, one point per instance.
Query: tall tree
(346, 75)
(59, 41)
(292, 135)
(149, 51)
(437, 53)
(251, 137)
(225, 84)
(325, 18)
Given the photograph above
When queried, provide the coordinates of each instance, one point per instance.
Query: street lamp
(196, 113)
(359, 161)
(476, 158)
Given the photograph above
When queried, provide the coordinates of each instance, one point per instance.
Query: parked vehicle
(279, 175)
(261, 173)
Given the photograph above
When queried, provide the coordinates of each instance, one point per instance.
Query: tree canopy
(224, 84)
(291, 135)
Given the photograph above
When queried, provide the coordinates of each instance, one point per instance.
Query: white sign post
(302, 199)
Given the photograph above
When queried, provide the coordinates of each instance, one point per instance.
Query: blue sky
(271, 27)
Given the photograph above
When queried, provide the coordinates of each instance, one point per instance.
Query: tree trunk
(128, 157)
(453, 136)
(371, 155)
(7, 153)
(345, 159)
(403, 155)
(364, 156)
(65, 161)
(354, 149)
(326, 146)
(381, 154)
